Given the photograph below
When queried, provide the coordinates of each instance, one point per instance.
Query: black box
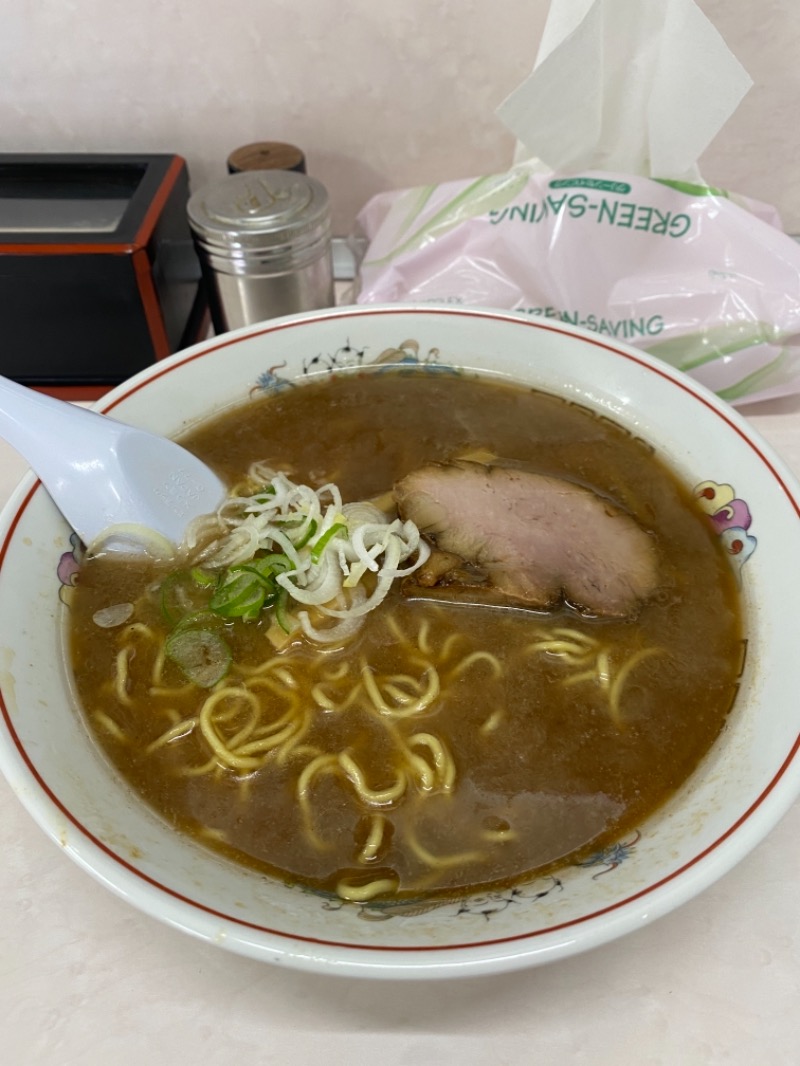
(98, 273)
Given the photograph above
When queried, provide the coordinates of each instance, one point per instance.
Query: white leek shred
(110, 617)
(330, 545)
(340, 632)
(132, 538)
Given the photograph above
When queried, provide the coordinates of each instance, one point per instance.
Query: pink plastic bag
(703, 279)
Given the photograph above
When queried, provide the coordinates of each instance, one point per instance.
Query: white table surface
(84, 978)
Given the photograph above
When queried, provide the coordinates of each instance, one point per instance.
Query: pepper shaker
(263, 238)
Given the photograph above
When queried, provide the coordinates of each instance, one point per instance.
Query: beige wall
(379, 93)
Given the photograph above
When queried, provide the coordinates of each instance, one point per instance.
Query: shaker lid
(267, 155)
(262, 206)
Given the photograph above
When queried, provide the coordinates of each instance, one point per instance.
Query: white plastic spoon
(104, 475)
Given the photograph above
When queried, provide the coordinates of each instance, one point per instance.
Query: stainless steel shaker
(263, 238)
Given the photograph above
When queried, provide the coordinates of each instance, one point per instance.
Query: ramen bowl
(740, 790)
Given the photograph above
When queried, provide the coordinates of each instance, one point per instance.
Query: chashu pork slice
(539, 540)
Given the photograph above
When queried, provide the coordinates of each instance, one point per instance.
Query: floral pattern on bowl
(730, 518)
(349, 356)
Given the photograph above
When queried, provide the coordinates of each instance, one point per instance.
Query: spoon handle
(35, 424)
(101, 472)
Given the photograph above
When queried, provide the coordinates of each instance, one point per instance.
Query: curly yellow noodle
(329, 704)
(121, 677)
(422, 637)
(345, 889)
(135, 629)
(180, 729)
(373, 691)
(338, 673)
(168, 693)
(111, 726)
(415, 706)
(220, 748)
(395, 627)
(577, 679)
(374, 839)
(564, 649)
(623, 674)
(265, 744)
(322, 764)
(230, 759)
(577, 649)
(299, 751)
(293, 743)
(252, 738)
(399, 695)
(252, 705)
(286, 677)
(442, 759)
(448, 646)
(441, 862)
(575, 635)
(428, 696)
(277, 724)
(158, 666)
(262, 681)
(374, 797)
(199, 771)
(603, 670)
(476, 657)
(424, 772)
(260, 668)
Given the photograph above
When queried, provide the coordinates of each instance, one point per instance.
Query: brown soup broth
(548, 767)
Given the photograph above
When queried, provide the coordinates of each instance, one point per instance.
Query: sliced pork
(538, 540)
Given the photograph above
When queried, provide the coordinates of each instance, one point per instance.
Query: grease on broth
(445, 747)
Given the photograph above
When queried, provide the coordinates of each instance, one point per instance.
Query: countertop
(85, 978)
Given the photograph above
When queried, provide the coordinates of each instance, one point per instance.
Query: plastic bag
(703, 279)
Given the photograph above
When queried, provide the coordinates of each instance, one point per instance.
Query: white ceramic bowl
(742, 788)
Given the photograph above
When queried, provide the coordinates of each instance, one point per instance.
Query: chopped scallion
(241, 596)
(203, 578)
(309, 533)
(202, 655)
(319, 546)
(281, 614)
(180, 596)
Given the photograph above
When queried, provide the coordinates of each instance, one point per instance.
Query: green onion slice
(203, 619)
(281, 613)
(309, 533)
(204, 579)
(202, 655)
(265, 568)
(180, 595)
(277, 562)
(242, 595)
(319, 547)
